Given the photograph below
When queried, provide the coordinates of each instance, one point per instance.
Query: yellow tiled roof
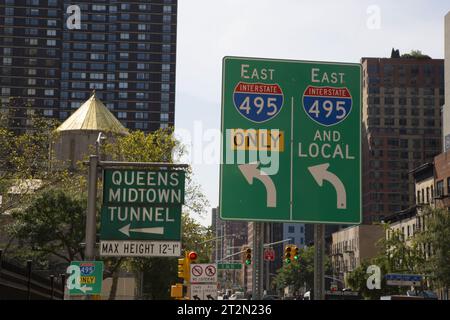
(93, 115)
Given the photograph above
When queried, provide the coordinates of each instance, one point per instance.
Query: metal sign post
(257, 278)
(91, 207)
(319, 251)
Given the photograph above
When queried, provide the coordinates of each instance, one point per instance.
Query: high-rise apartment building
(402, 99)
(446, 108)
(125, 50)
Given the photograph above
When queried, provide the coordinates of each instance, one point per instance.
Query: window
(291, 229)
(439, 188)
(6, 91)
(51, 42)
(97, 7)
(96, 76)
(51, 33)
(164, 117)
(31, 92)
(122, 115)
(7, 61)
(48, 112)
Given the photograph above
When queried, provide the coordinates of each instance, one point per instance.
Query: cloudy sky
(341, 31)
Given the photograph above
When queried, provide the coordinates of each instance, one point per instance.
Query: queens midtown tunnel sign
(141, 212)
(291, 141)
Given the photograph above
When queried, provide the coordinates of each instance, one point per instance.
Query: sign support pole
(89, 253)
(319, 251)
(257, 279)
(268, 240)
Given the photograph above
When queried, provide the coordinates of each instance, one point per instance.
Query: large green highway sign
(291, 141)
(142, 205)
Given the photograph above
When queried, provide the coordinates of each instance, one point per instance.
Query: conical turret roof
(92, 116)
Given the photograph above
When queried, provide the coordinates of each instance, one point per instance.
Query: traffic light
(248, 256)
(296, 253)
(288, 254)
(191, 257)
(183, 272)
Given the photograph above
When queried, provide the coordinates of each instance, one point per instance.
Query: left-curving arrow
(320, 173)
(251, 171)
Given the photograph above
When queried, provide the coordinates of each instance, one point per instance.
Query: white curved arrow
(251, 171)
(156, 230)
(320, 173)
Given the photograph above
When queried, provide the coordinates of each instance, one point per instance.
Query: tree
(53, 224)
(435, 236)
(357, 281)
(396, 256)
(26, 159)
(415, 54)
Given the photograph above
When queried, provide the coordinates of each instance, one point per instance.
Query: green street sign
(85, 277)
(143, 223)
(142, 204)
(229, 266)
(291, 141)
(134, 186)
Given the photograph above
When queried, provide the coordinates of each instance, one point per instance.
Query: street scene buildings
(87, 128)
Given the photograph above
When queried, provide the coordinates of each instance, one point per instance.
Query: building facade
(446, 108)
(351, 246)
(230, 237)
(402, 99)
(295, 232)
(126, 50)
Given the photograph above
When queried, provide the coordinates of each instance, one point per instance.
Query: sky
(337, 31)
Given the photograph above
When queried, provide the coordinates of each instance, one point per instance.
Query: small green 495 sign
(85, 277)
(291, 141)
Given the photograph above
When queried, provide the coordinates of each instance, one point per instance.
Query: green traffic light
(296, 257)
(288, 261)
(247, 262)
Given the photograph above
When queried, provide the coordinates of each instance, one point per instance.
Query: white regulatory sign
(140, 248)
(203, 292)
(203, 272)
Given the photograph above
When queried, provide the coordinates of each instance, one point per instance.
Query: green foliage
(396, 256)
(54, 223)
(196, 238)
(26, 160)
(436, 235)
(357, 281)
(415, 54)
(299, 274)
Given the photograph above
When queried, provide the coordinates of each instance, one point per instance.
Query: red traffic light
(192, 255)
